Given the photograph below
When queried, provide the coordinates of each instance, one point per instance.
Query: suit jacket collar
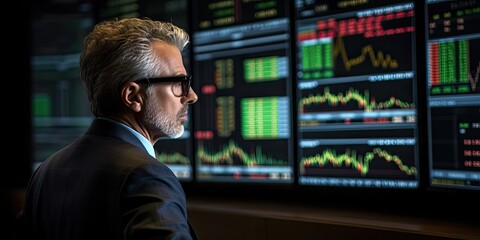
(113, 129)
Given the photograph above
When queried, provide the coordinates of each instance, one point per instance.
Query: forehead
(170, 59)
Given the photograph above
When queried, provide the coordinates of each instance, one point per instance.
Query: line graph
(172, 158)
(377, 42)
(233, 154)
(377, 58)
(350, 159)
(362, 100)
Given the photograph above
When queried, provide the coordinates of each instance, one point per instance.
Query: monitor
(356, 94)
(453, 91)
(242, 75)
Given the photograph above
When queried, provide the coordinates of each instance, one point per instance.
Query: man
(108, 184)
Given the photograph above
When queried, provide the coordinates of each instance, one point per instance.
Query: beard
(157, 120)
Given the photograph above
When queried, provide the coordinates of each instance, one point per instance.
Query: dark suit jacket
(105, 185)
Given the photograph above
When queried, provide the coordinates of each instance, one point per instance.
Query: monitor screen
(356, 97)
(453, 72)
(242, 75)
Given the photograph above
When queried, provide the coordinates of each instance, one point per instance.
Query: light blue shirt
(140, 137)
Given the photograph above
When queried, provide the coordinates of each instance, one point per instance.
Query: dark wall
(16, 115)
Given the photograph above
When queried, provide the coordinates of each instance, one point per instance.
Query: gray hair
(119, 51)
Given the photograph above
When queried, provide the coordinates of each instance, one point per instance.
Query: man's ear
(132, 96)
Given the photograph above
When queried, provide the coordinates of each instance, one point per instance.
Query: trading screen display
(242, 75)
(60, 108)
(356, 94)
(453, 69)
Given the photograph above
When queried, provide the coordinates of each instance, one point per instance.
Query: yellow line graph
(377, 59)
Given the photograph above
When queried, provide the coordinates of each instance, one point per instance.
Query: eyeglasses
(180, 88)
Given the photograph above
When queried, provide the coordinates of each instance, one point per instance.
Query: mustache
(183, 111)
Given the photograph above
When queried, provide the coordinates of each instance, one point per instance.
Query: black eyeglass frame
(186, 82)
